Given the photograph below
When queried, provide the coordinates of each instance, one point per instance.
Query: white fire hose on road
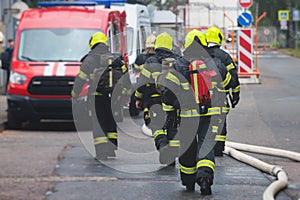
(231, 149)
(282, 179)
(264, 150)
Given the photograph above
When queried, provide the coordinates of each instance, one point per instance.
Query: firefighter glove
(235, 99)
(147, 118)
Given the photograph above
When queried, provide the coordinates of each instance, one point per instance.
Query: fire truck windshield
(51, 45)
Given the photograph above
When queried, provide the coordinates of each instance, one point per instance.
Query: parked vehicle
(137, 30)
(229, 35)
(50, 42)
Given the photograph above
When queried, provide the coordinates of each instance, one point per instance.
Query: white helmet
(150, 41)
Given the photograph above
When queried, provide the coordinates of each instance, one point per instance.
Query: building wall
(7, 21)
(212, 14)
(7, 27)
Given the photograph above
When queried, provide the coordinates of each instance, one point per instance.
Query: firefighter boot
(112, 147)
(100, 153)
(219, 148)
(103, 151)
(167, 154)
(190, 187)
(205, 185)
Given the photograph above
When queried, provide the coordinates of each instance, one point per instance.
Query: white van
(138, 26)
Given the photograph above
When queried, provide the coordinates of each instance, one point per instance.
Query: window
(129, 35)
(114, 38)
(54, 44)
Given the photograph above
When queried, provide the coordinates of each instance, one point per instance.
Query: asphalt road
(53, 161)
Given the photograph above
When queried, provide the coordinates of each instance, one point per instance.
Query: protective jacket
(90, 62)
(146, 89)
(141, 59)
(216, 52)
(222, 82)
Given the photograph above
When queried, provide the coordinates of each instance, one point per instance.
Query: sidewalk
(3, 107)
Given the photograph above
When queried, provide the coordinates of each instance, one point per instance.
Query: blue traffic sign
(245, 19)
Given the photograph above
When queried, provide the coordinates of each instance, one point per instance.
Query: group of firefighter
(183, 125)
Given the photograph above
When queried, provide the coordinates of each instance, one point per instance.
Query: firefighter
(138, 65)
(149, 98)
(104, 126)
(195, 125)
(215, 37)
(6, 58)
(148, 52)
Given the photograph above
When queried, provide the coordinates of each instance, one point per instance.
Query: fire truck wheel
(13, 122)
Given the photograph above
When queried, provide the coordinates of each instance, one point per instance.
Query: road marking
(56, 179)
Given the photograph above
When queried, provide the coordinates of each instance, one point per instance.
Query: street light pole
(296, 26)
(232, 35)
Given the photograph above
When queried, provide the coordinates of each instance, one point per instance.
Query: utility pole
(175, 8)
(296, 24)
(291, 35)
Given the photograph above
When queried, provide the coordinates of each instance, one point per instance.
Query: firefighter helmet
(214, 35)
(164, 40)
(190, 37)
(96, 38)
(150, 41)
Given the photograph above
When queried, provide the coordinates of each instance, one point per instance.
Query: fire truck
(50, 42)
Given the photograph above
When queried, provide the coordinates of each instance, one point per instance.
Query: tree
(271, 7)
(167, 4)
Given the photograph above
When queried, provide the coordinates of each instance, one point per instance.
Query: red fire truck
(50, 42)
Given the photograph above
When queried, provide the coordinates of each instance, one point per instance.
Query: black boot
(219, 148)
(167, 155)
(205, 185)
(162, 152)
(103, 151)
(190, 187)
(101, 156)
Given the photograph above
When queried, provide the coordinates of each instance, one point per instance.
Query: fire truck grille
(51, 85)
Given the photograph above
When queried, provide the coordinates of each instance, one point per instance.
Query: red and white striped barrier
(247, 72)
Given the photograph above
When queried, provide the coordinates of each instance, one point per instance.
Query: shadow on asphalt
(47, 126)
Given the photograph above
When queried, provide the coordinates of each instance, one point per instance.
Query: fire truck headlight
(17, 78)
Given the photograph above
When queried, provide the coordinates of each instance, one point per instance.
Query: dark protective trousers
(104, 125)
(157, 121)
(190, 144)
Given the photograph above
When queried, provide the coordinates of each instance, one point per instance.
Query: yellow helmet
(150, 41)
(189, 38)
(96, 38)
(164, 40)
(214, 35)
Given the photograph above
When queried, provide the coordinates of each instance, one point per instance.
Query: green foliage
(271, 7)
(291, 52)
(167, 5)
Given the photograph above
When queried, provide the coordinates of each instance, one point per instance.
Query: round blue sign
(245, 19)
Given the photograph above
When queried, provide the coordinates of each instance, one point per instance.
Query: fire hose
(231, 149)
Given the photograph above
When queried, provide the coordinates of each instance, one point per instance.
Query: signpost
(245, 3)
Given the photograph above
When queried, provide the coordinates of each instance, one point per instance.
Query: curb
(2, 126)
